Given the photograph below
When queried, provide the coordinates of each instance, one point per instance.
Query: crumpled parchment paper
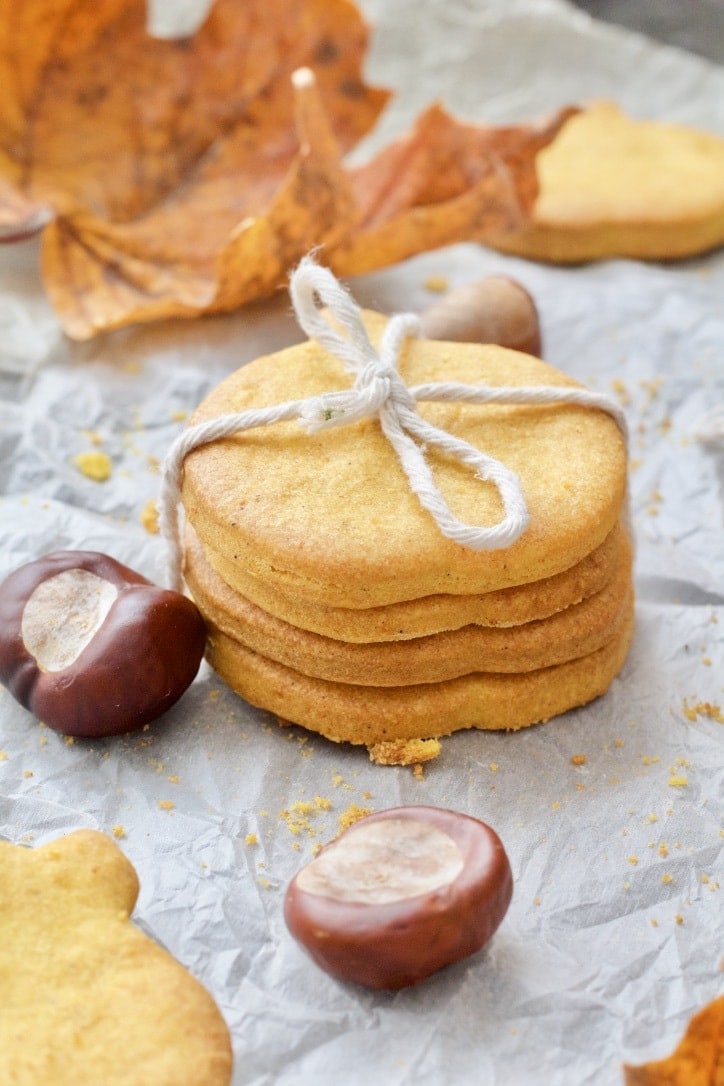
(615, 934)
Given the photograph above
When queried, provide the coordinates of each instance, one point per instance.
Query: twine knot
(379, 391)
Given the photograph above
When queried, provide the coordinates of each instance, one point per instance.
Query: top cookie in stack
(334, 600)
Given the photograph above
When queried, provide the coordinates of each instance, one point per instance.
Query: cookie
(430, 614)
(571, 632)
(86, 997)
(370, 715)
(521, 486)
(330, 517)
(612, 186)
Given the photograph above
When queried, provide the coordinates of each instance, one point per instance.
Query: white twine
(379, 390)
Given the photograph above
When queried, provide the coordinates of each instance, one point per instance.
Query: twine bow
(379, 390)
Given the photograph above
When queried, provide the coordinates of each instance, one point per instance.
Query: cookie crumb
(296, 816)
(621, 390)
(251, 839)
(404, 751)
(94, 465)
(119, 831)
(149, 517)
(703, 708)
(166, 804)
(352, 815)
(579, 759)
(436, 284)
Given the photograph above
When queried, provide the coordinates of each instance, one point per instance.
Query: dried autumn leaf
(445, 182)
(20, 217)
(189, 176)
(698, 1060)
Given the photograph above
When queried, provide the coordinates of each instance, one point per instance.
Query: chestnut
(91, 647)
(497, 309)
(399, 895)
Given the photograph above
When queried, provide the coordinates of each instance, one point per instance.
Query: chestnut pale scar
(63, 614)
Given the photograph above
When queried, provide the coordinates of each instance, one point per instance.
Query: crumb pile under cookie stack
(332, 598)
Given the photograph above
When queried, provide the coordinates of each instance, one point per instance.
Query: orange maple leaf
(698, 1059)
(173, 178)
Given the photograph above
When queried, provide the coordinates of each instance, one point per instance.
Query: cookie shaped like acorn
(91, 647)
(399, 895)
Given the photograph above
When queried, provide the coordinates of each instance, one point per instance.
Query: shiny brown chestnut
(399, 895)
(497, 309)
(91, 647)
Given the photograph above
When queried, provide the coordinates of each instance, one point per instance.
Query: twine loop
(378, 391)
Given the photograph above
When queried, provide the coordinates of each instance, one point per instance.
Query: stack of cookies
(333, 599)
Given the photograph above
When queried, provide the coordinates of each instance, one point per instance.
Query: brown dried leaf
(697, 1061)
(20, 217)
(445, 182)
(190, 255)
(190, 176)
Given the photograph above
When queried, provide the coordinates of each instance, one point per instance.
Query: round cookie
(330, 516)
(430, 614)
(611, 186)
(371, 715)
(570, 633)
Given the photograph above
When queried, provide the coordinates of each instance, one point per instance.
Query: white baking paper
(615, 934)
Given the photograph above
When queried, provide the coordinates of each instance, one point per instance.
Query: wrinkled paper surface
(615, 934)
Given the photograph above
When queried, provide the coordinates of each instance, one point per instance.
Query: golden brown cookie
(330, 516)
(572, 632)
(371, 715)
(431, 614)
(86, 997)
(612, 186)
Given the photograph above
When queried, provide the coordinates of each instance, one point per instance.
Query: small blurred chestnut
(399, 895)
(93, 648)
(493, 310)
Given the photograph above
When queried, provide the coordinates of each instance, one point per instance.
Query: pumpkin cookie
(330, 517)
(302, 543)
(611, 186)
(572, 632)
(430, 614)
(371, 715)
(86, 997)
